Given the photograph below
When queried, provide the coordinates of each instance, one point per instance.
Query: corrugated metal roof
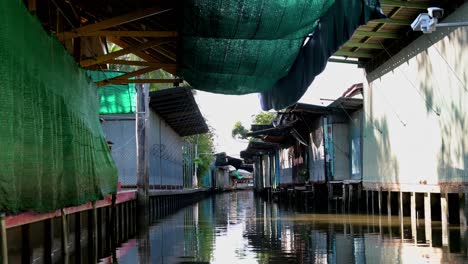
(178, 108)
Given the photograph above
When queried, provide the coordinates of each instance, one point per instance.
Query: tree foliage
(239, 131)
(205, 150)
(262, 118)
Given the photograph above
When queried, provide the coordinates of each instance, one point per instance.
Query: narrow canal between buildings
(239, 227)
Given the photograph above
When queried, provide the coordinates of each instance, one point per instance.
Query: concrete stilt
(428, 217)
(401, 213)
(463, 202)
(413, 216)
(380, 201)
(343, 199)
(367, 201)
(389, 212)
(350, 198)
(444, 217)
(373, 207)
(389, 203)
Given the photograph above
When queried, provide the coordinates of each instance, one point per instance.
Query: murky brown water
(240, 228)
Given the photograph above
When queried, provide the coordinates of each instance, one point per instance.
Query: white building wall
(416, 109)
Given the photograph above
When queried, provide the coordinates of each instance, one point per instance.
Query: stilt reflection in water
(239, 227)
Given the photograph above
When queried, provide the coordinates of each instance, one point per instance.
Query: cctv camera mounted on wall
(428, 22)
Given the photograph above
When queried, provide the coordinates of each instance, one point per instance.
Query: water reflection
(240, 228)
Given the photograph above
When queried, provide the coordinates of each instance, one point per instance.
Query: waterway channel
(239, 227)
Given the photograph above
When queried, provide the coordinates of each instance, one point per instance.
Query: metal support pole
(142, 115)
(4, 239)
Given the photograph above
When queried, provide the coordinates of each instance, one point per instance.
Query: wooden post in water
(142, 115)
(64, 235)
(3, 229)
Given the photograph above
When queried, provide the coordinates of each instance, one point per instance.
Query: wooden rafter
(126, 81)
(32, 5)
(112, 22)
(119, 33)
(419, 5)
(126, 76)
(139, 54)
(143, 63)
(354, 54)
(113, 55)
(165, 53)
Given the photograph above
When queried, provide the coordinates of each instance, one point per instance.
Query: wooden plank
(377, 34)
(392, 21)
(143, 63)
(362, 45)
(119, 33)
(115, 21)
(32, 5)
(344, 61)
(125, 81)
(165, 53)
(140, 54)
(126, 76)
(354, 54)
(418, 5)
(113, 55)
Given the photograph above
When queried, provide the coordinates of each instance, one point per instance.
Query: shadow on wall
(443, 74)
(382, 165)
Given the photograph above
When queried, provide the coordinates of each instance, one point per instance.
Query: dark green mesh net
(52, 150)
(238, 47)
(249, 46)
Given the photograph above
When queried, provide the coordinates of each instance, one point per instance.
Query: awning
(178, 108)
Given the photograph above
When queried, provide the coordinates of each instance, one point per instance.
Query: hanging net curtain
(52, 150)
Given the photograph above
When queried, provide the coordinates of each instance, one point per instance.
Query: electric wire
(448, 64)
(412, 84)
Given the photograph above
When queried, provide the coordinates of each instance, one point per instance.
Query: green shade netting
(238, 47)
(52, 150)
(237, 175)
(114, 98)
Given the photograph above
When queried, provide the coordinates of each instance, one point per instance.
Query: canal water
(239, 227)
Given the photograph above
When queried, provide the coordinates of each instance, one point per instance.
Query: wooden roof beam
(362, 45)
(126, 81)
(115, 21)
(403, 22)
(418, 5)
(140, 54)
(113, 55)
(119, 33)
(126, 76)
(376, 34)
(143, 63)
(354, 54)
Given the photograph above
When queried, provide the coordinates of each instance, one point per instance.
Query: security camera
(436, 12)
(425, 23)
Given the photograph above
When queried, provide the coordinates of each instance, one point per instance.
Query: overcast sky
(222, 111)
